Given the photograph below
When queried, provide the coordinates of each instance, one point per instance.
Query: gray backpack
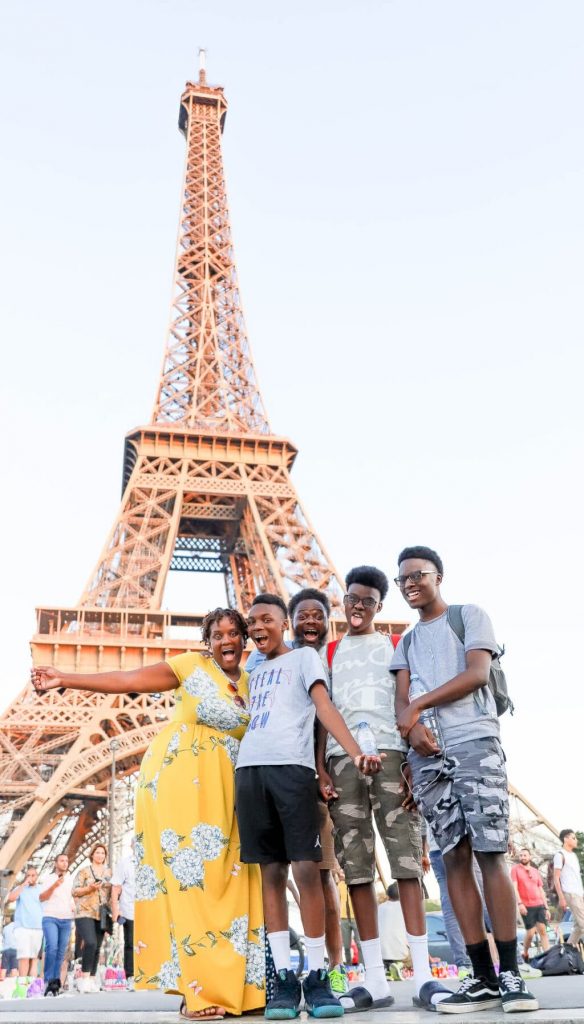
(497, 682)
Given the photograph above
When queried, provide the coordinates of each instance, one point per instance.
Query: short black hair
(393, 891)
(566, 832)
(368, 576)
(271, 599)
(308, 594)
(419, 551)
(213, 617)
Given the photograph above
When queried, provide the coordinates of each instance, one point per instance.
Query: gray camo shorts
(360, 798)
(464, 793)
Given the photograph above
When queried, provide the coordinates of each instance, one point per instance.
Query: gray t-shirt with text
(435, 656)
(281, 727)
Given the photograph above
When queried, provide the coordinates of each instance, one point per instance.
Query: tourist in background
(58, 910)
(28, 919)
(9, 966)
(123, 891)
(531, 901)
(568, 882)
(91, 892)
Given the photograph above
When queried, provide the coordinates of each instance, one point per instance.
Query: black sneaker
(285, 1003)
(473, 994)
(318, 998)
(515, 996)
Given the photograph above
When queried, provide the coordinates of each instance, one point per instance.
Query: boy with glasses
(461, 789)
(363, 690)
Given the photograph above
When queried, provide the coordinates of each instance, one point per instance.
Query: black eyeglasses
(415, 577)
(352, 600)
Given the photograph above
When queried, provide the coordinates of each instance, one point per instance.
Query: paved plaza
(561, 1001)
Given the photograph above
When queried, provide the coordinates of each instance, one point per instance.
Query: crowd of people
(400, 731)
(64, 918)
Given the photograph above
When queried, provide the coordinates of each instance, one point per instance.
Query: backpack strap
(455, 621)
(407, 639)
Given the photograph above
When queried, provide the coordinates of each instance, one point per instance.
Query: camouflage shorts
(359, 799)
(463, 793)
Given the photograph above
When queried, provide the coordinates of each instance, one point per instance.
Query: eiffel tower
(206, 488)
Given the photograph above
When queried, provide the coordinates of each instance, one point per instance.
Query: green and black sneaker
(285, 1003)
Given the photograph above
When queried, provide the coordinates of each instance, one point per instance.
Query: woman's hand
(45, 678)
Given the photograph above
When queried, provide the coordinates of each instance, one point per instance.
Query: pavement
(561, 1001)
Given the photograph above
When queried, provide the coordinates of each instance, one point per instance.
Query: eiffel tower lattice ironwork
(206, 488)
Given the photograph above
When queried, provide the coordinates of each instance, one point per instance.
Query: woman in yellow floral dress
(198, 929)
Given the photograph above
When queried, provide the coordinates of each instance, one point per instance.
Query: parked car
(438, 945)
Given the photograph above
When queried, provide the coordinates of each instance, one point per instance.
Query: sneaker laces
(511, 981)
(467, 983)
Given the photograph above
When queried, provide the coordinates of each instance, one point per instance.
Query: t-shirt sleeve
(182, 665)
(312, 669)
(513, 872)
(558, 861)
(254, 659)
(479, 634)
(399, 659)
(118, 874)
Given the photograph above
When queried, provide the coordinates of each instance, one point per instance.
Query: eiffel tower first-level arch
(206, 488)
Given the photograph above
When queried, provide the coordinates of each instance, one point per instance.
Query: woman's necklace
(232, 686)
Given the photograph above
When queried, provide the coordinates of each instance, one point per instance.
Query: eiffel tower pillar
(206, 488)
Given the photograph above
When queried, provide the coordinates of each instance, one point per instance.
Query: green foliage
(580, 850)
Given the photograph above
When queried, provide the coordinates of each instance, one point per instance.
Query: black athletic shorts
(277, 814)
(534, 915)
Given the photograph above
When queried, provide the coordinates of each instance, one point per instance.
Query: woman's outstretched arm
(152, 679)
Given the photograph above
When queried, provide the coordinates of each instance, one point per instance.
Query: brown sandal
(209, 1013)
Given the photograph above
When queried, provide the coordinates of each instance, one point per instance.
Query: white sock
(375, 980)
(280, 946)
(420, 962)
(314, 952)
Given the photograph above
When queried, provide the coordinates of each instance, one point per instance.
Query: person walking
(91, 892)
(9, 968)
(531, 901)
(198, 926)
(28, 919)
(123, 895)
(58, 910)
(568, 882)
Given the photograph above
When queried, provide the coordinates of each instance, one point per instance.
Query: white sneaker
(84, 986)
(130, 985)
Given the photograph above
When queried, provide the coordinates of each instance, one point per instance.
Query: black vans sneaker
(285, 1003)
(515, 996)
(474, 994)
(318, 998)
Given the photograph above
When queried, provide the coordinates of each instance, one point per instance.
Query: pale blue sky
(405, 182)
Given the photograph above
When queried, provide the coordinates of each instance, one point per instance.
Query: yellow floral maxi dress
(199, 920)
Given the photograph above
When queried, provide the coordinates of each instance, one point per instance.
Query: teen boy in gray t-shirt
(442, 695)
